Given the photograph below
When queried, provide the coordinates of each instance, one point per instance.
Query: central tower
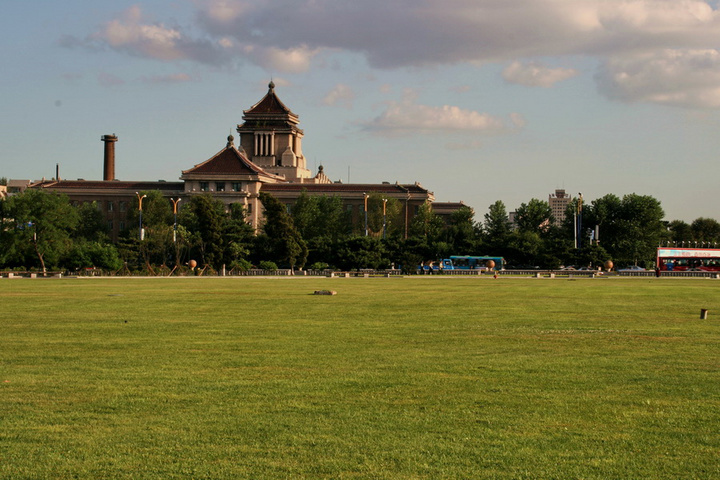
(271, 139)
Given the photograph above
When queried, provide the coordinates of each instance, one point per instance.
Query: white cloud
(340, 95)
(407, 117)
(288, 35)
(109, 80)
(461, 89)
(518, 120)
(155, 41)
(656, 16)
(222, 11)
(536, 75)
(291, 60)
(684, 78)
(469, 145)
(132, 34)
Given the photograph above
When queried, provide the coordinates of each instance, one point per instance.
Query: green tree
(335, 220)
(306, 214)
(205, 220)
(426, 224)
(534, 216)
(525, 248)
(42, 221)
(705, 230)
(87, 254)
(238, 237)
(320, 216)
(631, 228)
(496, 229)
(157, 219)
(461, 233)
(679, 232)
(392, 216)
(281, 239)
(358, 252)
(92, 225)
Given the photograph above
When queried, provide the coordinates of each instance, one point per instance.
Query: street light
(365, 198)
(407, 214)
(175, 203)
(384, 217)
(578, 221)
(140, 199)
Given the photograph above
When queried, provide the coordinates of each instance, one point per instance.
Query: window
(110, 206)
(110, 225)
(249, 208)
(236, 187)
(204, 187)
(219, 186)
(122, 226)
(123, 206)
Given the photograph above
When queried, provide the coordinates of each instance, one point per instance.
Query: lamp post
(579, 220)
(384, 217)
(407, 213)
(175, 203)
(140, 199)
(365, 199)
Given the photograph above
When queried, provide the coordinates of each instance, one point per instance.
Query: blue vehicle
(466, 262)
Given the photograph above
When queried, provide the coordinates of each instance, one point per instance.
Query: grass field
(408, 378)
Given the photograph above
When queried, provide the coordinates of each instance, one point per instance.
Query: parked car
(632, 268)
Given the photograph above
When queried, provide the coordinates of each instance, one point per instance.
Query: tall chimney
(109, 164)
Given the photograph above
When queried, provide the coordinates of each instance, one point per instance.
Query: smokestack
(109, 163)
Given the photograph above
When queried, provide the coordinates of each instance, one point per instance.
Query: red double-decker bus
(684, 259)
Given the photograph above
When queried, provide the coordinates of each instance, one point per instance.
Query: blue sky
(478, 100)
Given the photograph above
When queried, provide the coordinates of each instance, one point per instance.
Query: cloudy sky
(478, 100)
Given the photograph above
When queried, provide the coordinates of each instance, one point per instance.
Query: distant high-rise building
(558, 203)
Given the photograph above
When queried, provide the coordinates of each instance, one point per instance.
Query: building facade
(558, 204)
(268, 158)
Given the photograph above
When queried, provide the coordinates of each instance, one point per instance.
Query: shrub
(267, 265)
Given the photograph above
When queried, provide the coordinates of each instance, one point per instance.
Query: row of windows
(220, 186)
(110, 225)
(111, 206)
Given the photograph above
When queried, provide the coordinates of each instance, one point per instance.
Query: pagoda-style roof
(229, 162)
(269, 112)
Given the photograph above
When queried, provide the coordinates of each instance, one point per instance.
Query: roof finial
(271, 86)
(230, 141)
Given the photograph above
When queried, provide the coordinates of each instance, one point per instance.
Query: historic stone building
(268, 158)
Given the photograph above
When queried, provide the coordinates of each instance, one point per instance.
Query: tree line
(44, 231)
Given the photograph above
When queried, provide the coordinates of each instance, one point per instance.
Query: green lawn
(410, 378)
